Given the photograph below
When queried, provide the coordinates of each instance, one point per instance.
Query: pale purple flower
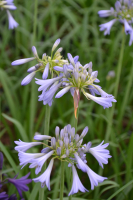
(39, 162)
(24, 146)
(94, 178)
(107, 26)
(100, 153)
(128, 28)
(21, 183)
(12, 23)
(106, 102)
(76, 185)
(45, 177)
(9, 5)
(26, 158)
(48, 88)
(80, 163)
(121, 13)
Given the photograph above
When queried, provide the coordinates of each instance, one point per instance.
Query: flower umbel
(66, 146)
(123, 13)
(74, 78)
(45, 64)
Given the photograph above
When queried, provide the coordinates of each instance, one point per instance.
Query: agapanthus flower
(45, 64)
(3, 196)
(21, 183)
(67, 146)
(74, 78)
(9, 5)
(123, 12)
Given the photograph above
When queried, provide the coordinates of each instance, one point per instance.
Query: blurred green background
(76, 22)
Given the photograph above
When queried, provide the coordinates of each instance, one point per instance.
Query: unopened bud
(53, 142)
(67, 152)
(66, 141)
(76, 137)
(61, 143)
(57, 130)
(58, 151)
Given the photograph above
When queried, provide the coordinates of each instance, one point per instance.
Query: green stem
(33, 86)
(116, 88)
(75, 125)
(35, 20)
(46, 132)
(125, 100)
(62, 181)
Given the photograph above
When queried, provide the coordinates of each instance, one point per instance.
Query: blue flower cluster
(123, 13)
(66, 146)
(69, 75)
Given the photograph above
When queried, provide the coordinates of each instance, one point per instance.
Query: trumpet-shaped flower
(12, 23)
(38, 162)
(9, 5)
(45, 177)
(122, 13)
(107, 27)
(24, 146)
(26, 158)
(67, 146)
(45, 65)
(100, 153)
(20, 184)
(76, 185)
(94, 178)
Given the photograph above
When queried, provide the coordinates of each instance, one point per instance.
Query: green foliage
(77, 24)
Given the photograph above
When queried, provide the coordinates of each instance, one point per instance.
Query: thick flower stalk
(74, 78)
(45, 64)
(123, 12)
(66, 146)
(9, 5)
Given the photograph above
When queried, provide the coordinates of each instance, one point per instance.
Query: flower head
(67, 146)
(123, 12)
(79, 78)
(45, 64)
(9, 5)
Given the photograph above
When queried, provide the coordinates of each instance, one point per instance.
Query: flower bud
(58, 151)
(53, 142)
(66, 141)
(57, 130)
(61, 143)
(67, 152)
(62, 134)
(76, 137)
